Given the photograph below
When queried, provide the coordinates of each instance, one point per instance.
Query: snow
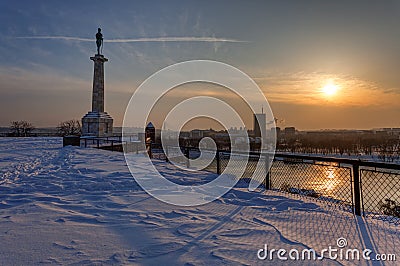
(79, 206)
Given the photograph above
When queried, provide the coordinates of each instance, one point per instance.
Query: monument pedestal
(97, 122)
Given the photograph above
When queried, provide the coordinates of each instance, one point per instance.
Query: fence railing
(113, 143)
(362, 187)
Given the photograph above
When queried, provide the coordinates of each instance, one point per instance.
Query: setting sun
(330, 89)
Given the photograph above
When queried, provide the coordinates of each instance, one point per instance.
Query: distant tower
(260, 125)
(97, 122)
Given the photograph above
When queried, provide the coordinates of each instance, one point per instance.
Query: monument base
(97, 124)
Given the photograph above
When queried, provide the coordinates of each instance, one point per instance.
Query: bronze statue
(99, 40)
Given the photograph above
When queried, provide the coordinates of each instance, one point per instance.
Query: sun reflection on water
(330, 180)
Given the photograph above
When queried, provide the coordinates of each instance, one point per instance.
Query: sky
(294, 51)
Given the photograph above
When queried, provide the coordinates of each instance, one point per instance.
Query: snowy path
(74, 206)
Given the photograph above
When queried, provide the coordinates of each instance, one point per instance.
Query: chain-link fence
(329, 182)
(365, 188)
(381, 194)
(129, 144)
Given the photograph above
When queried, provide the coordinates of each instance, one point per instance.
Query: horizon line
(319, 129)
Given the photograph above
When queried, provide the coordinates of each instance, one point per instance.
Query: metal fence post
(267, 173)
(187, 151)
(166, 154)
(356, 188)
(218, 163)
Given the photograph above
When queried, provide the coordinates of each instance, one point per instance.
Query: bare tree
(27, 128)
(70, 127)
(16, 128)
(21, 128)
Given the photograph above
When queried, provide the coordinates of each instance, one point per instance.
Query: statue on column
(99, 40)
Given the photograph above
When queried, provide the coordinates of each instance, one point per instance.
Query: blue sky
(290, 48)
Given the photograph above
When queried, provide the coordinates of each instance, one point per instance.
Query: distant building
(390, 131)
(276, 130)
(184, 134)
(196, 134)
(260, 125)
(142, 137)
(290, 130)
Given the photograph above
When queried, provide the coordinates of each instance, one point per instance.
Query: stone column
(97, 122)
(98, 83)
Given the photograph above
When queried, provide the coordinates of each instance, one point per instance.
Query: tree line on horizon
(22, 128)
(385, 147)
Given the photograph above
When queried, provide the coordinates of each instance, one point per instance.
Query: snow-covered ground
(74, 206)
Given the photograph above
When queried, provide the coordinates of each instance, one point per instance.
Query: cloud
(153, 39)
(41, 79)
(306, 88)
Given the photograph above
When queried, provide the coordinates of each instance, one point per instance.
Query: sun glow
(330, 89)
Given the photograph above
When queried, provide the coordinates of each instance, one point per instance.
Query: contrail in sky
(155, 39)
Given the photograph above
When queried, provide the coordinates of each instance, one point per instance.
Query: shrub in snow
(390, 207)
